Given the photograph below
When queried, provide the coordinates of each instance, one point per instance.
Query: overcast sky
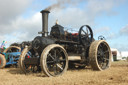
(20, 20)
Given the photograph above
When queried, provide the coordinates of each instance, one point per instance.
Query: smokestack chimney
(44, 22)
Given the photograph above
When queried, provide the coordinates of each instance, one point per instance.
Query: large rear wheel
(54, 60)
(100, 55)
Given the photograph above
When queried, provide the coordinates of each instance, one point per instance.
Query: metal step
(74, 58)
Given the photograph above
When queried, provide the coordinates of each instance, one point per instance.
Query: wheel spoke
(51, 56)
(83, 36)
(100, 58)
(100, 63)
(100, 47)
(58, 53)
(60, 67)
(54, 68)
(84, 32)
(106, 59)
(87, 30)
(106, 51)
(62, 60)
(50, 62)
(55, 53)
(103, 65)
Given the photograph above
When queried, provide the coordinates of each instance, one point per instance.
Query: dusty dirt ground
(116, 75)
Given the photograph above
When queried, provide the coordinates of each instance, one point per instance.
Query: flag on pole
(3, 44)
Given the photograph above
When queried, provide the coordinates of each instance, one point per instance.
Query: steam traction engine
(53, 53)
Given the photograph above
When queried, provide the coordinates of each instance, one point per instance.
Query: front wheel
(26, 54)
(100, 55)
(54, 60)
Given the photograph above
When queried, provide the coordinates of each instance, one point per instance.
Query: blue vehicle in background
(10, 56)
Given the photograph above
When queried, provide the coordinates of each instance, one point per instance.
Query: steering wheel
(101, 37)
(85, 35)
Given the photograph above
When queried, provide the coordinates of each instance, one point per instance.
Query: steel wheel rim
(103, 55)
(55, 61)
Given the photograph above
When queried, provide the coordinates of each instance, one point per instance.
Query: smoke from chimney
(62, 3)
